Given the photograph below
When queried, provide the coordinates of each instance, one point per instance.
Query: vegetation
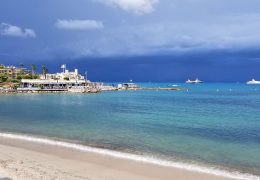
(36, 76)
(3, 77)
(13, 76)
(44, 71)
(14, 80)
(22, 68)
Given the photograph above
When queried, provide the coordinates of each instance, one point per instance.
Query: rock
(20, 162)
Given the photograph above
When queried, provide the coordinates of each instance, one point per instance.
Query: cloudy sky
(145, 40)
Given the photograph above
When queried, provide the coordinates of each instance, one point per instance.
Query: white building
(65, 75)
(59, 81)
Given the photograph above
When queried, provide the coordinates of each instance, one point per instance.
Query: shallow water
(213, 124)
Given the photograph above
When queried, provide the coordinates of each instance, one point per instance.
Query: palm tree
(33, 69)
(21, 68)
(44, 71)
(13, 72)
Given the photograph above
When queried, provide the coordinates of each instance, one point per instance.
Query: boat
(194, 82)
(253, 81)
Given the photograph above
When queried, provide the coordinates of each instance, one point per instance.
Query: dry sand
(25, 160)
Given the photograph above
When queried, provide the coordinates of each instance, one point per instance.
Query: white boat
(194, 82)
(253, 81)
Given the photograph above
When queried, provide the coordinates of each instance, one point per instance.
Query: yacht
(194, 82)
(253, 81)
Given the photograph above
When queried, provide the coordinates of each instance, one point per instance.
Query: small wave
(133, 157)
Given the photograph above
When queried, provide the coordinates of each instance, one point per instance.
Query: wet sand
(21, 160)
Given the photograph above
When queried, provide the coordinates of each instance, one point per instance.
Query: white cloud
(136, 6)
(11, 30)
(79, 24)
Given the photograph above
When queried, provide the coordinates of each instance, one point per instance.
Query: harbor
(20, 80)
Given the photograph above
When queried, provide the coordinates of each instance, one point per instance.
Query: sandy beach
(27, 160)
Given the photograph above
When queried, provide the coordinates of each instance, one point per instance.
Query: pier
(163, 89)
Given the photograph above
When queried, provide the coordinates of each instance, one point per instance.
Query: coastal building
(59, 81)
(127, 86)
(63, 81)
(11, 71)
(51, 84)
(65, 75)
(130, 86)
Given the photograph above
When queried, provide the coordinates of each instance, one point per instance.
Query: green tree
(3, 77)
(22, 69)
(44, 71)
(14, 81)
(36, 76)
(12, 72)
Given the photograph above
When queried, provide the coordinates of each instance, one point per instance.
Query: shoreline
(90, 92)
(174, 169)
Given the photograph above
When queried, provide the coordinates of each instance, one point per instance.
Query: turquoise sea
(211, 125)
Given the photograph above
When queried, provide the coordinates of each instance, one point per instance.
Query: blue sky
(146, 40)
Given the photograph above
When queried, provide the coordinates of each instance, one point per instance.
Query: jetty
(133, 86)
(163, 89)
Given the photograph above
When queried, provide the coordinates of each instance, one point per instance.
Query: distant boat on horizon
(253, 81)
(196, 81)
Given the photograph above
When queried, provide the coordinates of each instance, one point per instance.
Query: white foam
(133, 157)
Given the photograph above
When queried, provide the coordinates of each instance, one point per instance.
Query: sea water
(214, 125)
